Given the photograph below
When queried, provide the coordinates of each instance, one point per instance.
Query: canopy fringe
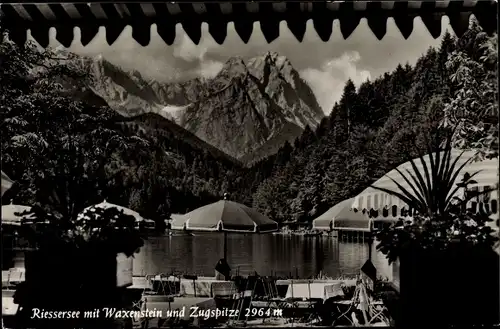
(39, 18)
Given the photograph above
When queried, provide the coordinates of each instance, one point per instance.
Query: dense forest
(67, 153)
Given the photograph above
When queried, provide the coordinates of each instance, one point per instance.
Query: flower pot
(453, 287)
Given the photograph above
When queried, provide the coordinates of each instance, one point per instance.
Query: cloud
(328, 82)
(186, 50)
(209, 68)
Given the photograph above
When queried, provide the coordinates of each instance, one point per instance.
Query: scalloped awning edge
(39, 18)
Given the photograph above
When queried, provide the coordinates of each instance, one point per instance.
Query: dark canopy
(19, 18)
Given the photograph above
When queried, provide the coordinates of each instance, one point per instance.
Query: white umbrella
(107, 205)
(373, 199)
(11, 214)
(341, 216)
(6, 183)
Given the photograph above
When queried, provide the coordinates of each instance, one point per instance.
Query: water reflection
(266, 254)
(320, 256)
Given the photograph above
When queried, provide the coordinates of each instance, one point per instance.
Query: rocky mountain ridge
(249, 104)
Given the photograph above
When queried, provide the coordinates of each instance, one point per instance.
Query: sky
(326, 66)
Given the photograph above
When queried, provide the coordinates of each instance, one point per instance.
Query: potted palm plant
(448, 270)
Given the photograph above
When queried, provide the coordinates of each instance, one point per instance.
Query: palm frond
(451, 176)
(417, 195)
(455, 190)
(425, 189)
(430, 189)
(471, 195)
(447, 162)
(405, 196)
(427, 176)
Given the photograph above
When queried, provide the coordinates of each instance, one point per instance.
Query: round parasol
(225, 216)
(6, 183)
(106, 205)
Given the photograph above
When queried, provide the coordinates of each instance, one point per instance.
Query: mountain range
(248, 110)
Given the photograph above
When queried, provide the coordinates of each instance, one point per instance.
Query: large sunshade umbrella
(225, 216)
(107, 205)
(229, 216)
(373, 199)
(6, 183)
(341, 216)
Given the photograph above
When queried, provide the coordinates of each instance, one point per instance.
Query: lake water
(265, 253)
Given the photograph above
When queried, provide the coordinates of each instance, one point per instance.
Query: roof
(90, 16)
(341, 217)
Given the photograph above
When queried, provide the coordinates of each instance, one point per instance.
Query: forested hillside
(382, 124)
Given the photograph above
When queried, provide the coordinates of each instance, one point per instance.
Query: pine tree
(448, 45)
(283, 155)
(307, 138)
(364, 111)
(347, 106)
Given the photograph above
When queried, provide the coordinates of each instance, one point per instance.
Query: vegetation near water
(66, 153)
